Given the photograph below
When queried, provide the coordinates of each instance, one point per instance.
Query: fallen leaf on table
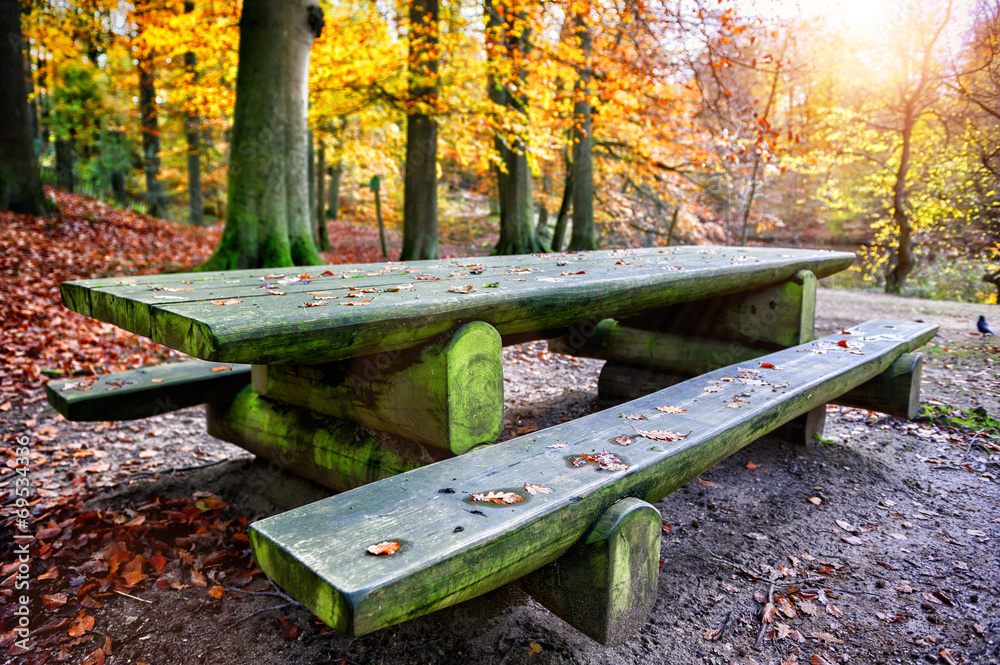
(631, 417)
(321, 303)
(275, 292)
(231, 301)
(498, 497)
(671, 409)
(221, 368)
(356, 302)
(661, 435)
(557, 445)
(157, 380)
(468, 288)
(383, 548)
(537, 489)
(770, 366)
(624, 440)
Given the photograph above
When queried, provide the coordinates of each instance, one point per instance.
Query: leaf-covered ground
(878, 545)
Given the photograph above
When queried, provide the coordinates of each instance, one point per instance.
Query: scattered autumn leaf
(468, 288)
(815, 500)
(751, 466)
(661, 435)
(217, 592)
(671, 409)
(624, 440)
(383, 548)
(632, 417)
(230, 301)
(357, 302)
(537, 489)
(497, 497)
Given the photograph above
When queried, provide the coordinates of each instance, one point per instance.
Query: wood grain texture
(335, 453)
(140, 393)
(454, 548)
(448, 393)
(532, 293)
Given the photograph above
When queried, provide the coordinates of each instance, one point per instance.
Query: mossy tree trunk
(267, 217)
(903, 265)
(20, 181)
(420, 235)
(508, 47)
(583, 236)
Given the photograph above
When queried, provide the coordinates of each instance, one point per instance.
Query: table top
(317, 314)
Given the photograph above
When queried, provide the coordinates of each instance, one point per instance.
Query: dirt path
(881, 540)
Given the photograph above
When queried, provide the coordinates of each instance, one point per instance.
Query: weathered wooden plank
(448, 393)
(140, 393)
(896, 391)
(651, 350)
(266, 329)
(605, 585)
(266, 332)
(454, 548)
(770, 317)
(335, 453)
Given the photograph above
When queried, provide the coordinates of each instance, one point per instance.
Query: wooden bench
(580, 529)
(145, 392)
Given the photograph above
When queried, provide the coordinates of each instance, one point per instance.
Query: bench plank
(453, 548)
(149, 391)
(269, 329)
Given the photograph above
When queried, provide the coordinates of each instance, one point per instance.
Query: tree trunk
(335, 173)
(20, 181)
(517, 230)
(559, 234)
(267, 217)
(583, 236)
(898, 271)
(322, 230)
(311, 176)
(420, 236)
(196, 200)
(155, 197)
(65, 158)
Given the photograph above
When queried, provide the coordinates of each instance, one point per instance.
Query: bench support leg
(447, 393)
(605, 586)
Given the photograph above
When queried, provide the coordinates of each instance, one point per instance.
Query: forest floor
(140, 552)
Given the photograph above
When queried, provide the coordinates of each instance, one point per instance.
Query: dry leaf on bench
(661, 435)
(671, 409)
(231, 301)
(498, 497)
(468, 288)
(537, 489)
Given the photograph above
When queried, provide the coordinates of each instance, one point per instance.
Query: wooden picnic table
(359, 373)
(412, 349)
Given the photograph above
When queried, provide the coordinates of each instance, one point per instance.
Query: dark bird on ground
(984, 327)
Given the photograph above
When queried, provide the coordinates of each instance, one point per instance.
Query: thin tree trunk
(559, 234)
(335, 173)
(376, 186)
(322, 230)
(196, 200)
(583, 236)
(757, 157)
(65, 162)
(903, 266)
(420, 235)
(155, 197)
(673, 225)
(311, 175)
(267, 219)
(20, 180)
(517, 230)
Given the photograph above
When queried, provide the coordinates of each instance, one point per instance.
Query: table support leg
(605, 586)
